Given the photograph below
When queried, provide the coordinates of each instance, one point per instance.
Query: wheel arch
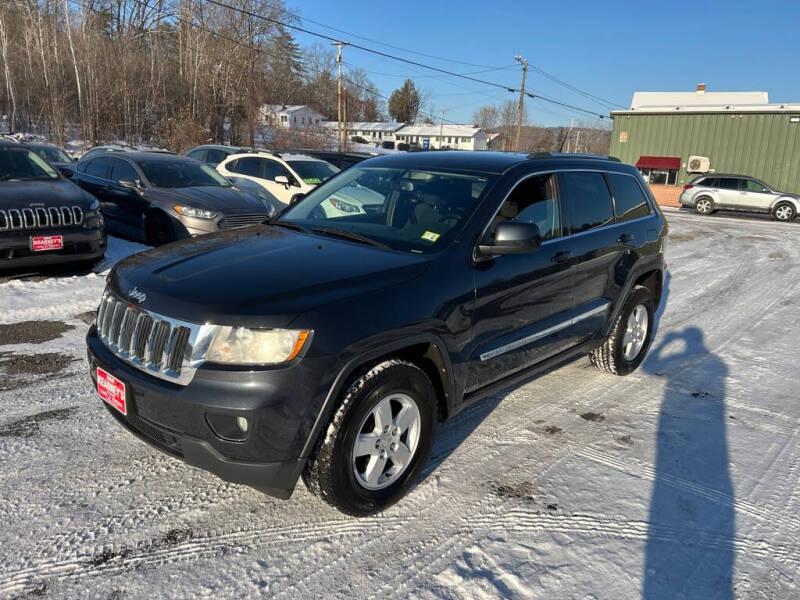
(786, 198)
(426, 352)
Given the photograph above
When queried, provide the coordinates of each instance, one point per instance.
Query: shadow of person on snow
(689, 551)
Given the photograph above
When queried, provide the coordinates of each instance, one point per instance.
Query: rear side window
(99, 167)
(250, 165)
(728, 183)
(708, 182)
(196, 154)
(586, 199)
(629, 201)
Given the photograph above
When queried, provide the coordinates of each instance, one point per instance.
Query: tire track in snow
(631, 467)
(79, 567)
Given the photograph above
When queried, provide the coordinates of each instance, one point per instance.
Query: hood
(42, 193)
(257, 276)
(225, 200)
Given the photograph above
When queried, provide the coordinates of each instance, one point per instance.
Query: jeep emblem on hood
(135, 294)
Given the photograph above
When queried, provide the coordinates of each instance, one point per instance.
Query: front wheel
(378, 441)
(627, 343)
(158, 229)
(784, 211)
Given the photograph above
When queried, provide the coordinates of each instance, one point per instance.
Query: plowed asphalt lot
(679, 481)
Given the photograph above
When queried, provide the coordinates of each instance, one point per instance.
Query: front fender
(786, 198)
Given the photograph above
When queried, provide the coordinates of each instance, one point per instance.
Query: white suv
(283, 175)
(738, 192)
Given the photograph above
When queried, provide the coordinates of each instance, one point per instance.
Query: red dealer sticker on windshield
(47, 242)
(112, 390)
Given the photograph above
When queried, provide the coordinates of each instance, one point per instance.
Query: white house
(373, 132)
(291, 116)
(456, 137)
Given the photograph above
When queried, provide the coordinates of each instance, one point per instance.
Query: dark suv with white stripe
(328, 346)
(44, 218)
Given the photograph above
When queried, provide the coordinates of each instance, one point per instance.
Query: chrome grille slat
(66, 216)
(55, 216)
(234, 221)
(3, 220)
(28, 218)
(158, 345)
(41, 218)
(15, 223)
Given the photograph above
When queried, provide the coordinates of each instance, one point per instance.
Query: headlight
(343, 206)
(94, 204)
(191, 211)
(243, 346)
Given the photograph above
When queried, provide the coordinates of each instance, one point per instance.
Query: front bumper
(281, 406)
(80, 244)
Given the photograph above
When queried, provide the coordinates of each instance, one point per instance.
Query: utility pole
(524, 62)
(344, 118)
(577, 140)
(441, 131)
(339, 138)
(569, 133)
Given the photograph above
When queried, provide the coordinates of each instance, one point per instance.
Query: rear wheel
(378, 441)
(627, 343)
(704, 205)
(784, 211)
(158, 229)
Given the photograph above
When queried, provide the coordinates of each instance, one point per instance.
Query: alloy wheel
(783, 213)
(387, 441)
(635, 332)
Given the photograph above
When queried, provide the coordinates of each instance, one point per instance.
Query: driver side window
(273, 168)
(122, 171)
(535, 201)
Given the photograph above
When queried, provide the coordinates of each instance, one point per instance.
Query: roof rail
(540, 155)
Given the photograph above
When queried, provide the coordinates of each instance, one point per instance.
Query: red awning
(659, 162)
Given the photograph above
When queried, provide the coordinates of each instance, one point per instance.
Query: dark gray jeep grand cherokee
(328, 346)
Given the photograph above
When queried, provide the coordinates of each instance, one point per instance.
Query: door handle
(625, 238)
(561, 257)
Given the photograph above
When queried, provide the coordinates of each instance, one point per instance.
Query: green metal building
(662, 131)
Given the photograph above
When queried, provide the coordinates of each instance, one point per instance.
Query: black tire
(704, 205)
(158, 229)
(784, 212)
(610, 356)
(330, 473)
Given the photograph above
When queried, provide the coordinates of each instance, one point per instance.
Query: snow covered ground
(679, 481)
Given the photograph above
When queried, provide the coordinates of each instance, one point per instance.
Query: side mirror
(296, 198)
(66, 172)
(282, 179)
(134, 185)
(511, 237)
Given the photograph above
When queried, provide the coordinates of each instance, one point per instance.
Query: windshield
(21, 163)
(53, 154)
(174, 173)
(405, 209)
(313, 172)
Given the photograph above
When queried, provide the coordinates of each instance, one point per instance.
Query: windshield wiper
(349, 235)
(287, 224)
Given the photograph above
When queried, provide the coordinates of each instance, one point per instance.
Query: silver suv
(738, 192)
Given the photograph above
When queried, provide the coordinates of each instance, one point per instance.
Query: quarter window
(216, 156)
(629, 201)
(196, 154)
(533, 201)
(587, 200)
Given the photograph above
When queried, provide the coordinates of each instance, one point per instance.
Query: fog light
(228, 427)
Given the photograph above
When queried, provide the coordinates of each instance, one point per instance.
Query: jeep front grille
(40, 218)
(159, 345)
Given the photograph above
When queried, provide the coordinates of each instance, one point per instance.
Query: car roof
(137, 155)
(728, 175)
(42, 144)
(486, 161)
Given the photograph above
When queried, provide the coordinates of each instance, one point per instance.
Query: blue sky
(609, 49)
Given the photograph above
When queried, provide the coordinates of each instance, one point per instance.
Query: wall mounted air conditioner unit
(698, 164)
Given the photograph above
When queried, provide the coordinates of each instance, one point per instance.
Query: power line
(393, 57)
(575, 89)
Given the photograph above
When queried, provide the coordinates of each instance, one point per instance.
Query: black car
(342, 160)
(328, 347)
(54, 155)
(213, 154)
(44, 218)
(159, 198)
